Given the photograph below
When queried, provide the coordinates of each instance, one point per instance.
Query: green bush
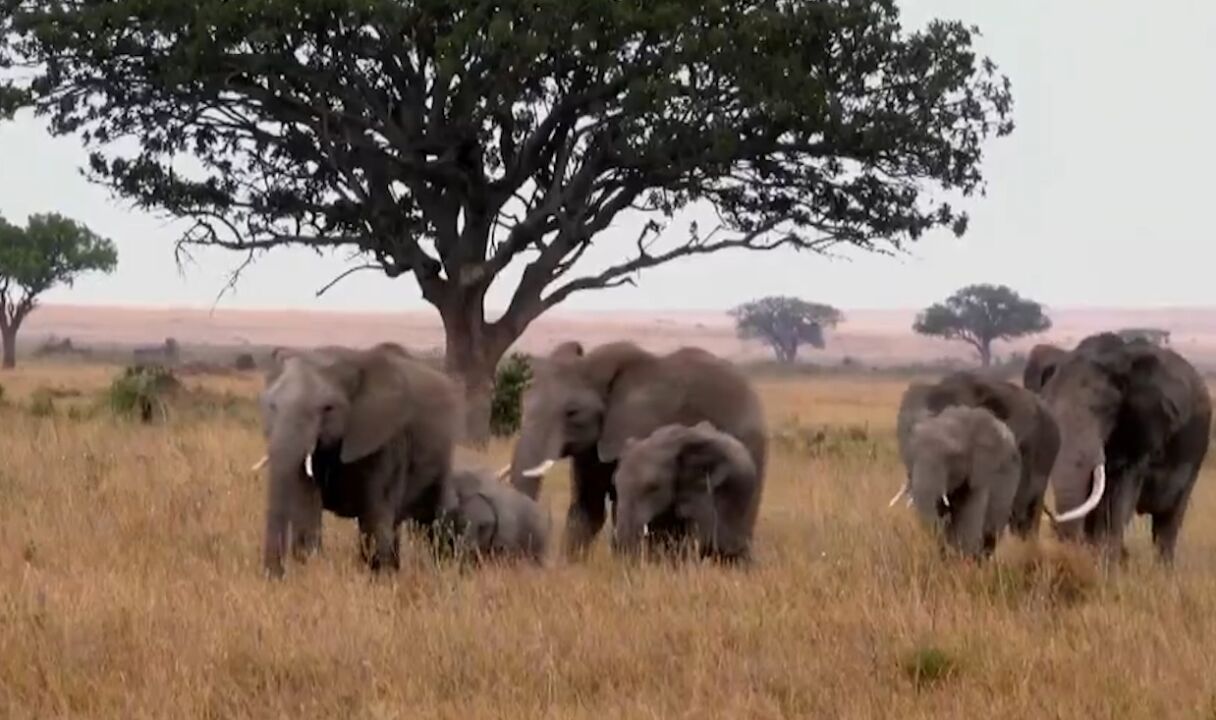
(509, 384)
(928, 666)
(141, 391)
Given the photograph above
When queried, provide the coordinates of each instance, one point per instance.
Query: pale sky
(1101, 197)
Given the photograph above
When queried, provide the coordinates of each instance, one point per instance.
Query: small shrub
(928, 666)
(509, 385)
(245, 361)
(826, 441)
(141, 391)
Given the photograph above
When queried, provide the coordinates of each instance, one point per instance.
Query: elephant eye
(327, 408)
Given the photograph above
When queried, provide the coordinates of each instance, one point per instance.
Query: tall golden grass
(130, 587)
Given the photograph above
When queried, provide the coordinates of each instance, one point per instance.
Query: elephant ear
(380, 406)
(1155, 393)
(713, 458)
(635, 413)
(278, 357)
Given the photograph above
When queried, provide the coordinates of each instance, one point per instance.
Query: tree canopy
(50, 250)
(982, 314)
(785, 323)
(450, 139)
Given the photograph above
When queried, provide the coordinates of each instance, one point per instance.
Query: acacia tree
(982, 314)
(50, 250)
(785, 323)
(451, 139)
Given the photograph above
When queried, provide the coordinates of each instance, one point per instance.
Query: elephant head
(1107, 396)
(335, 406)
(701, 477)
(568, 410)
(1041, 364)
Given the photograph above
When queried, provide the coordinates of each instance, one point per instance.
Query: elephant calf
(493, 519)
(687, 482)
(963, 474)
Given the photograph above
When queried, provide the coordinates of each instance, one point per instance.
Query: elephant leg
(1114, 515)
(587, 513)
(1028, 506)
(379, 540)
(1168, 522)
(592, 486)
(965, 528)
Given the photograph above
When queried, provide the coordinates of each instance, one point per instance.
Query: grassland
(130, 588)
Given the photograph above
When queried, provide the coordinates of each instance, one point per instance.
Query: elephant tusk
(945, 501)
(902, 489)
(1090, 503)
(261, 463)
(308, 465)
(503, 473)
(539, 470)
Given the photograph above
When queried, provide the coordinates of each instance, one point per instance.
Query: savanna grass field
(131, 587)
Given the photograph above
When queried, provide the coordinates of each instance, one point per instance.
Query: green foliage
(141, 391)
(981, 314)
(928, 666)
(784, 323)
(506, 410)
(445, 140)
(245, 362)
(50, 250)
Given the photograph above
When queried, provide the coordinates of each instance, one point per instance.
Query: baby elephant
(494, 520)
(685, 483)
(963, 472)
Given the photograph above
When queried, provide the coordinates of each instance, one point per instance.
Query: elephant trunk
(538, 448)
(1078, 479)
(628, 532)
(928, 485)
(293, 503)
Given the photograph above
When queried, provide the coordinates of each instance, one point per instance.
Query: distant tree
(981, 314)
(785, 323)
(464, 143)
(50, 250)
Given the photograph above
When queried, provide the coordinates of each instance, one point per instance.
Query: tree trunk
(471, 357)
(9, 334)
(985, 349)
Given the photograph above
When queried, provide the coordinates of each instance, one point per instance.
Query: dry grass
(130, 589)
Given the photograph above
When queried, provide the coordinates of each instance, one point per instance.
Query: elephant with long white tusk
(1134, 423)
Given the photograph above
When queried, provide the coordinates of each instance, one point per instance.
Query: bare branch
(346, 273)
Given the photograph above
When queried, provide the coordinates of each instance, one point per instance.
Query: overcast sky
(1103, 196)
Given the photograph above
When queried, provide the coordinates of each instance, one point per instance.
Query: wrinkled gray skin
(493, 519)
(1036, 432)
(379, 427)
(967, 456)
(585, 405)
(1143, 411)
(913, 407)
(694, 482)
(1040, 364)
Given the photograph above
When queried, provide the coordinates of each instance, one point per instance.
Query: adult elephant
(1134, 424)
(365, 434)
(1041, 363)
(584, 405)
(1033, 427)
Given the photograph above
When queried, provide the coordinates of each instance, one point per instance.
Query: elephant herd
(1114, 427)
(673, 448)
